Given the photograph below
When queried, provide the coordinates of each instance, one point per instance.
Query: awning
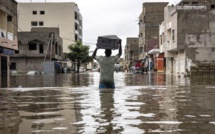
(153, 51)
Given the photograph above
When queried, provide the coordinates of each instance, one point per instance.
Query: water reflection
(9, 115)
(106, 111)
(50, 80)
(70, 104)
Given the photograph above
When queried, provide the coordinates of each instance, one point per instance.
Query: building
(131, 50)
(187, 36)
(66, 16)
(36, 47)
(149, 20)
(8, 38)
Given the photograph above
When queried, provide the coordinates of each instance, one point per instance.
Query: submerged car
(14, 72)
(95, 70)
(34, 72)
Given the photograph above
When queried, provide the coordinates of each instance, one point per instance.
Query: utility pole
(47, 49)
(51, 47)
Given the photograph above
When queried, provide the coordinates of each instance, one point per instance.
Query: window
(34, 12)
(32, 46)
(16, 51)
(161, 39)
(56, 48)
(34, 23)
(76, 37)
(9, 18)
(13, 66)
(195, 3)
(42, 12)
(173, 34)
(185, 3)
(41, 23)
(41, 48)
(76, 15)
(76, 26)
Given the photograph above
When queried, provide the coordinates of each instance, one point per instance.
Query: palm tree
(79, 53)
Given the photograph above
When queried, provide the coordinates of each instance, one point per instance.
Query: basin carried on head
(108, 42)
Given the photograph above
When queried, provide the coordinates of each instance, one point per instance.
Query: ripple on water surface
(126, 110)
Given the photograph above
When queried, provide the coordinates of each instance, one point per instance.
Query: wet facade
(35, 47)
(132, 50)
(8, 38)
(72, 103)
(149, 20)
(186, 38)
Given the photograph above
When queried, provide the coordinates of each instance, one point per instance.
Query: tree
(79, 53)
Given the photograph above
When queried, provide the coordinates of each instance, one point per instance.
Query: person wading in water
(107, 63)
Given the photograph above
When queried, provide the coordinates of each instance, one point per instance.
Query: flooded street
(72, 103)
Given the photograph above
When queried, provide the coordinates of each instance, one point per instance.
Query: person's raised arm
(120, 49)
(94, 53)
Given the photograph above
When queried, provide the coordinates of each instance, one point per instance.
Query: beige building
(131, 50)
(8, 38)
(35, 47)
(66, 16)
(187, 36)
(149, 20)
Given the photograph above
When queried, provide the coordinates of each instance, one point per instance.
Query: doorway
(4, 72)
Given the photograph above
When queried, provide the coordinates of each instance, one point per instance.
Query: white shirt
(107, 68)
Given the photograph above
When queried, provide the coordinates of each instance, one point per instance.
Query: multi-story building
(149, 20)
(187, 35)
(8, 38)
(131, 48)
(65, 15)
(35, 47)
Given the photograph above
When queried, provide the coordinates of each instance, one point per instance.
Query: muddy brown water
(72, 103)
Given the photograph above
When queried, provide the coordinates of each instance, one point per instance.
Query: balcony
(28, 55)
(76, 21)
(7, 40)
(169, 25)
(169, 46)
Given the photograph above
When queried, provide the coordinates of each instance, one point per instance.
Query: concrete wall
(194, 41)
(8, 24)
(200, 39)
(180, 63)
(60, 15)
(153, 16)
(133, 43)
(28, 63)
(149, 20)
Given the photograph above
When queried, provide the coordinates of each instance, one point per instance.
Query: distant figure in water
(107, 63)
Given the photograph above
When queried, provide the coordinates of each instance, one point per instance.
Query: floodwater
(72, 103)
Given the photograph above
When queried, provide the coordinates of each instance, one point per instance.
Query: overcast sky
(107, 17)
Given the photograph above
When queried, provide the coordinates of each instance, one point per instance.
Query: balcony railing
(168, 46)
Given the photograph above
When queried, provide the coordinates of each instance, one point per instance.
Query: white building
(187, 37)
(65, 15)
